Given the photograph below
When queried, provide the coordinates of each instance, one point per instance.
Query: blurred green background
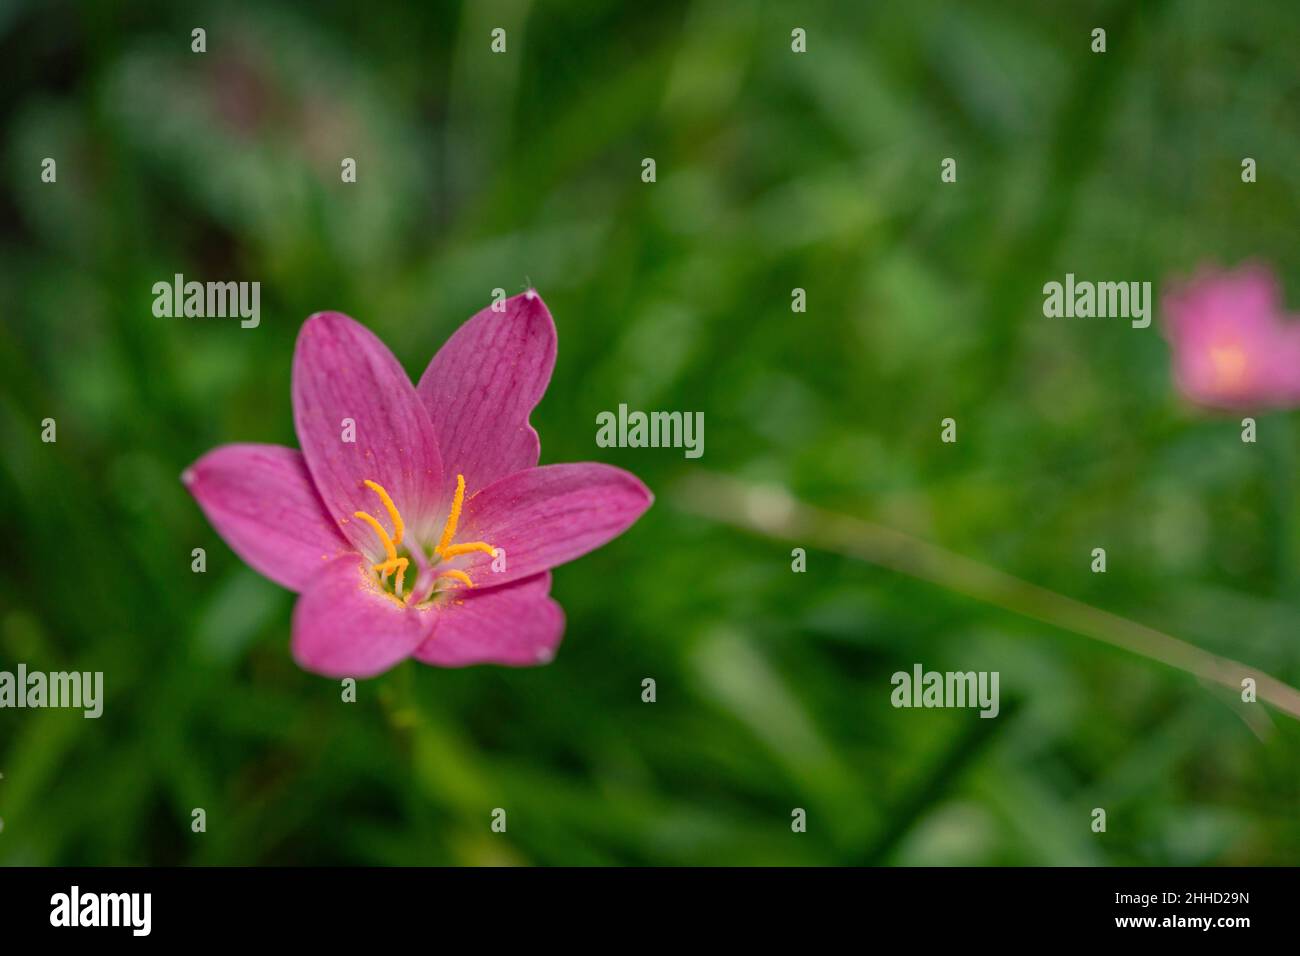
(775, 171)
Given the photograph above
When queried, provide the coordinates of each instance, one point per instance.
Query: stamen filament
(394, 564)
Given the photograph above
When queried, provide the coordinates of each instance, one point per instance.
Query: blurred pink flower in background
(1233, 344)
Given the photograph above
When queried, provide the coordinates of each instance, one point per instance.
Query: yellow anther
(394, 564)
(398, 527)
(458, 575)
(446, 550)
(449, 530)
(389, 549)
(456, 550)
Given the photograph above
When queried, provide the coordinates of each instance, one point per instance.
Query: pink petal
(342, 371)
(344, 625)
(546, 516)
(517, 625)
(261, 500)
(1249, 296)
(481, 386)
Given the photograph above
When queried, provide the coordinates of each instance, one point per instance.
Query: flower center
(397, 560)
(1229, 363)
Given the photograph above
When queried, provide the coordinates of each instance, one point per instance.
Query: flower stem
(774, 513)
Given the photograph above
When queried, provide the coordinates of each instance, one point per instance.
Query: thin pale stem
(774, 513)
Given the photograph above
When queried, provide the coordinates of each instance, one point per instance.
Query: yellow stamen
(445, 549)
(456, 550)
(394, 564)
(458, 575)
(449, 530)
(379, 530)
(398, 527)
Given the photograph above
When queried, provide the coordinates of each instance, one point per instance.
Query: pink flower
(431, 533)
(1232, 344)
